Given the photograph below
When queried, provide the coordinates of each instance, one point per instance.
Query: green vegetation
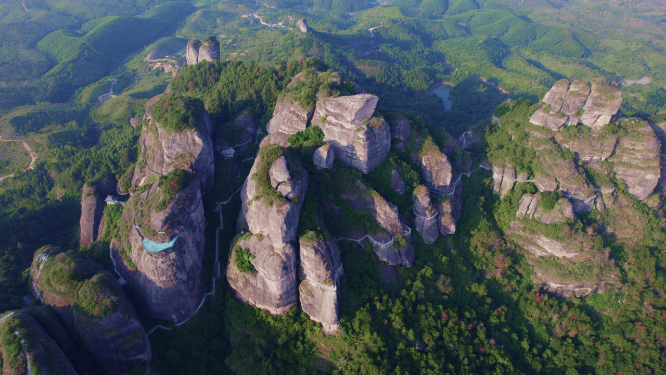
(313, 136)
(243, 260)
(170, 185)
(97, 297)
(267, 155)
(178, 113)
(548, 200)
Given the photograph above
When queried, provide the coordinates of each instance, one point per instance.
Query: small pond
(443, 92)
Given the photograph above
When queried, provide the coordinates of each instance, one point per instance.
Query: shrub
(267, 155)
(548, 200)
(243, 260)
(177, 113)
(172, 184)
(313, 136)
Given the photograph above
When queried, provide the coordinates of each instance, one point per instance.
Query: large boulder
(289, 117)
(321, 271)
(192, 51)
(92, 208)
(27, 349)
(91, 303)
(271, 282)
(426, 215)
(324, 157)
(603, 103)
(263, 267)
(209, 50)
(436, 170)
(360, 138)
(302, 25)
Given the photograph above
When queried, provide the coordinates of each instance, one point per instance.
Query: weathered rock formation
(592, 104)
(271, 201)
(192, 51)
(324, 157)
(289, 117)
(91, 303)
(160, 246)
(321, 268)
(302, 25)
(197, 51)
(92, 208)
(426, 215)
(565, 245)
(436, 170)
(27, 349)
(397, 184)
(360, 138)
(529, 209)
(400, 128)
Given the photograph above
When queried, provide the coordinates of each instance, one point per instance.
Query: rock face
(426, 215)
(160, 246)
(92, 208)
(324, 157)
(302, 25)
(197, 51)
(529, 209)
(91, 303)
(541, 245)
(391, 243)
(321, 271)
(271, 224)
(592, 104)
(210, 50)
(437, 171)
(602, 104)
(289, 117)
(27, 341)
(164, 151)
(161, 258)
(360, 139)
(192, 51)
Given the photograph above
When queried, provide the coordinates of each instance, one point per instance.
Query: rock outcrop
(91, 303)
(27, 349)
(529, 208)
(197, 51)
(263, 266)
(289, 117)
(360, 138)
(436, 170)
(302, 25)
(321, 267)
(400, 128)
(397, 184)
(159, 250)
(426, 215)
(92, 208)
(192, 51)
(324, 157)
(592, 104)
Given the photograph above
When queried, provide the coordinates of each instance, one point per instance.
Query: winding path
(33, 155)
(372, 29)
(28, 10)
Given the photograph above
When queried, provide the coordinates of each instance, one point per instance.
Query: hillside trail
(33, 155)
(30, 11)
(372, 29)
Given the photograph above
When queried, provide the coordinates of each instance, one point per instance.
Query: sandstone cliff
(160, 245)
(426, 215)
(360, 138)
(262, 267)
(593, 104)
(321, 268)
(91, 303)
(27, 349)
(289, 116)
(197, 51)
(92, 208)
